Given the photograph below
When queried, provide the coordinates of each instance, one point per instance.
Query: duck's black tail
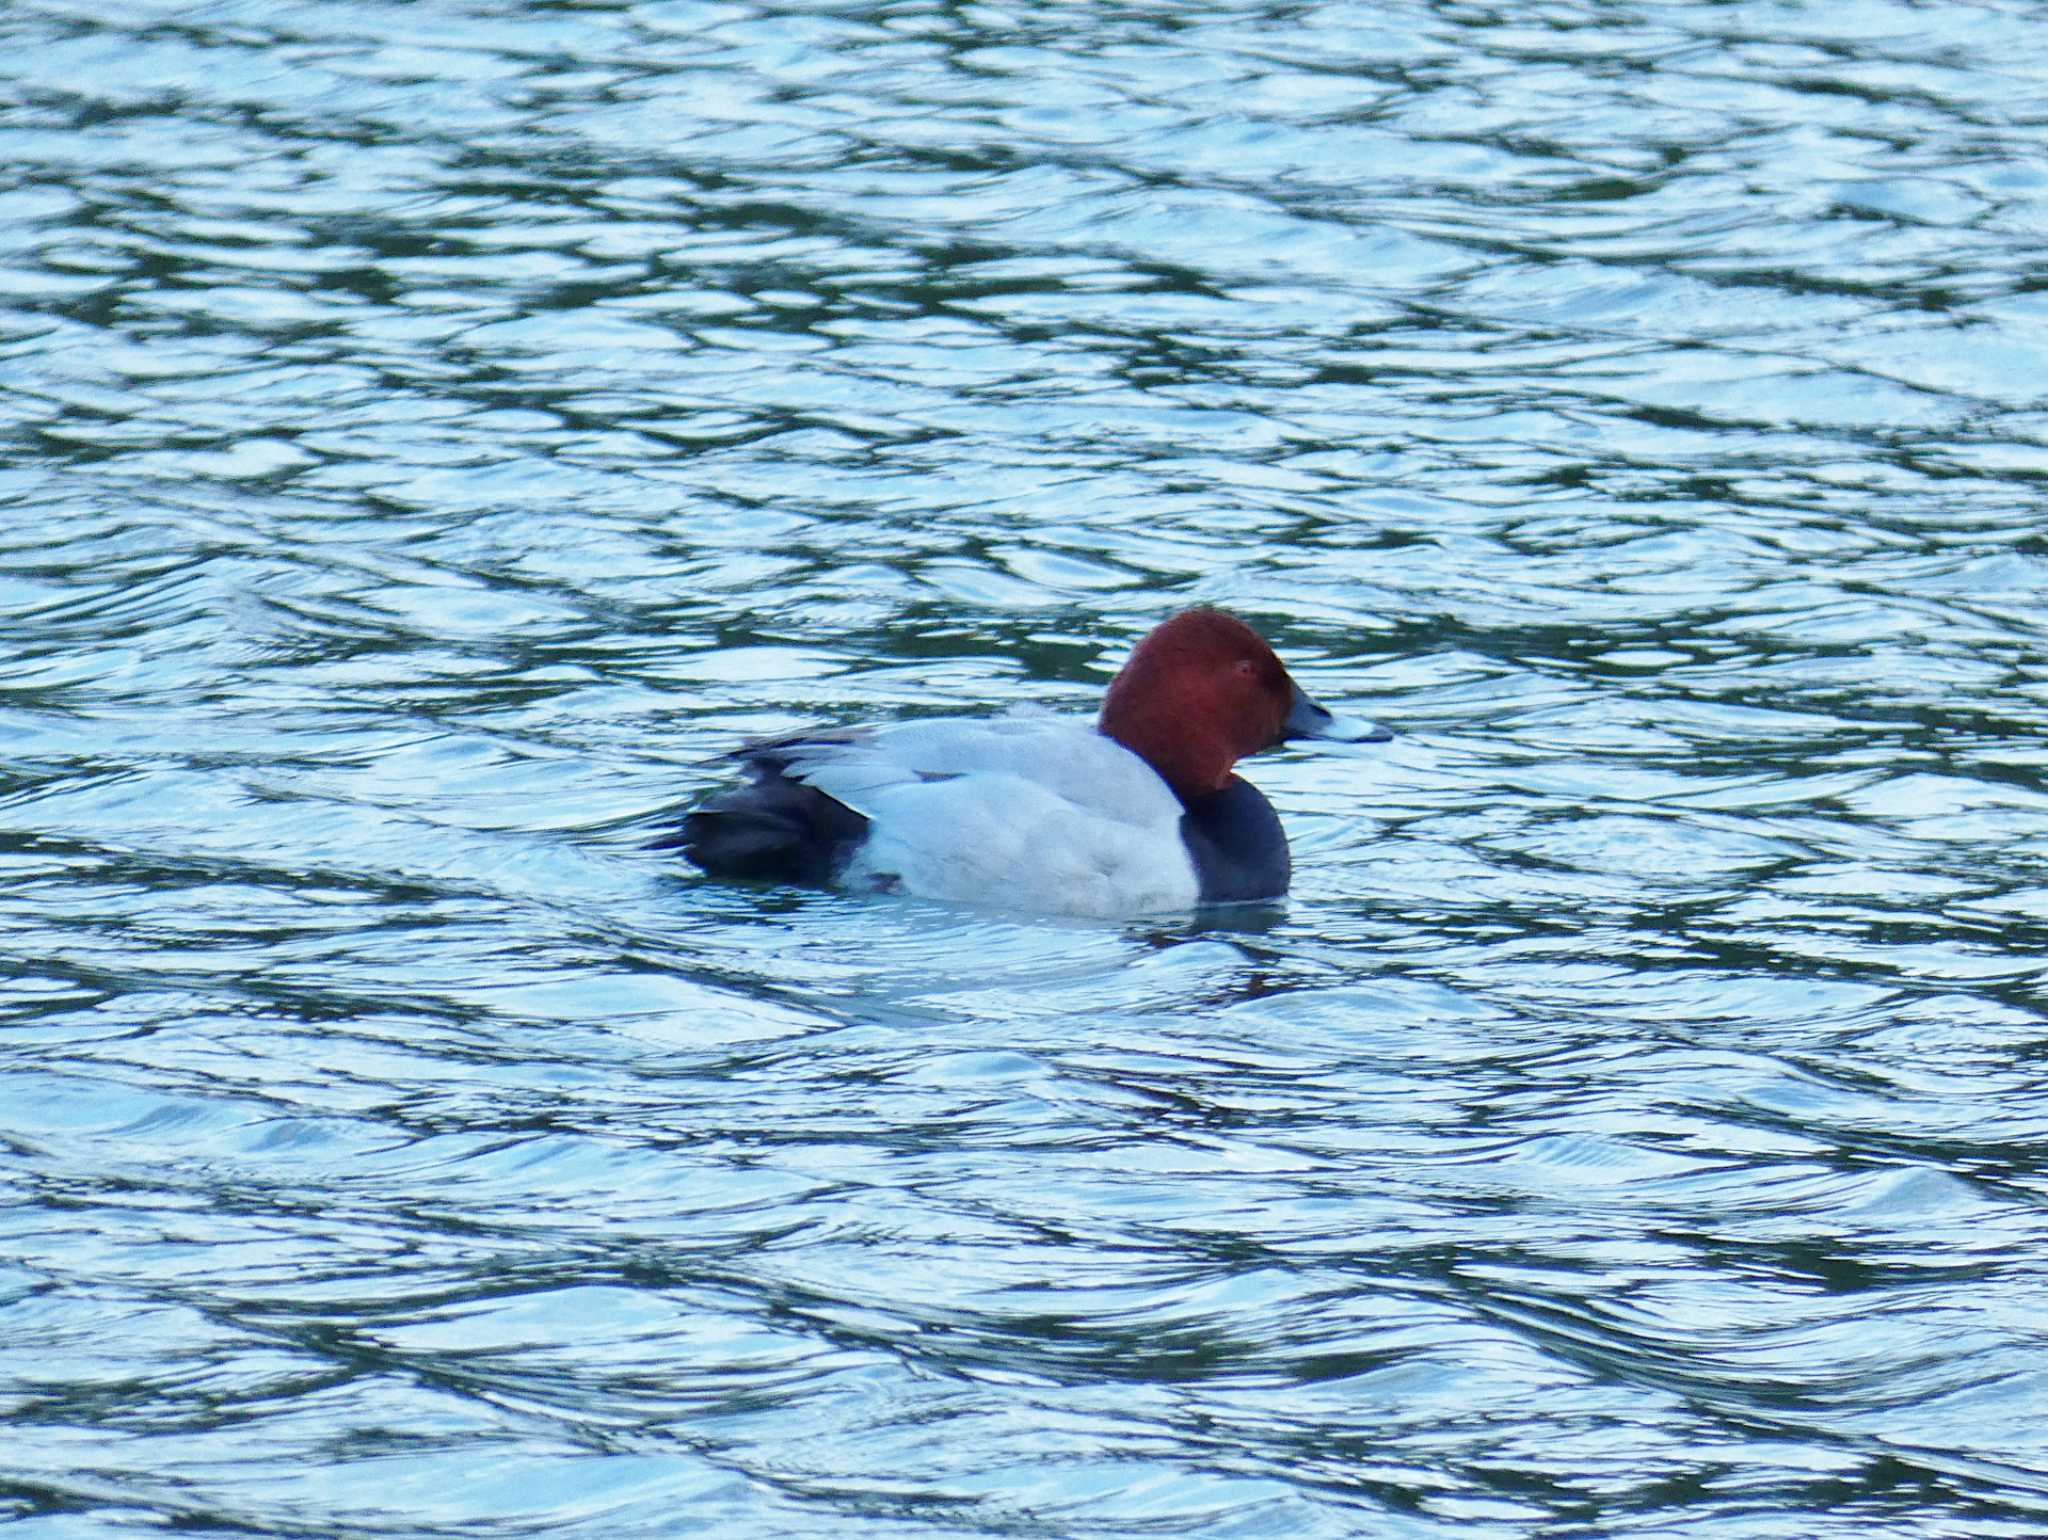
(773, 829)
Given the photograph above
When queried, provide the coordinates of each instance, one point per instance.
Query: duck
(1138, 812)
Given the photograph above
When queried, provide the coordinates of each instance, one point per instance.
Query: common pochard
(1136, 813)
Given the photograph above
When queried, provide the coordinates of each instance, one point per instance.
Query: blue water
(431, 431)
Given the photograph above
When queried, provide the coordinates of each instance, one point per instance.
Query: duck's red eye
(1244, 667)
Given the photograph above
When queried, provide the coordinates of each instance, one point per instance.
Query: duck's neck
(1191, 754)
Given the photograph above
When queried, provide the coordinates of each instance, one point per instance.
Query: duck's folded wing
(1060, 757)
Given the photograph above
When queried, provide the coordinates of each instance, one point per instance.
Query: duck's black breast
(1236, 842)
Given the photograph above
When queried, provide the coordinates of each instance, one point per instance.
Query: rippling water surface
(432, 430)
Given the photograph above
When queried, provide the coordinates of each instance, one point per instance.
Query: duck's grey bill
(1305, 719)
